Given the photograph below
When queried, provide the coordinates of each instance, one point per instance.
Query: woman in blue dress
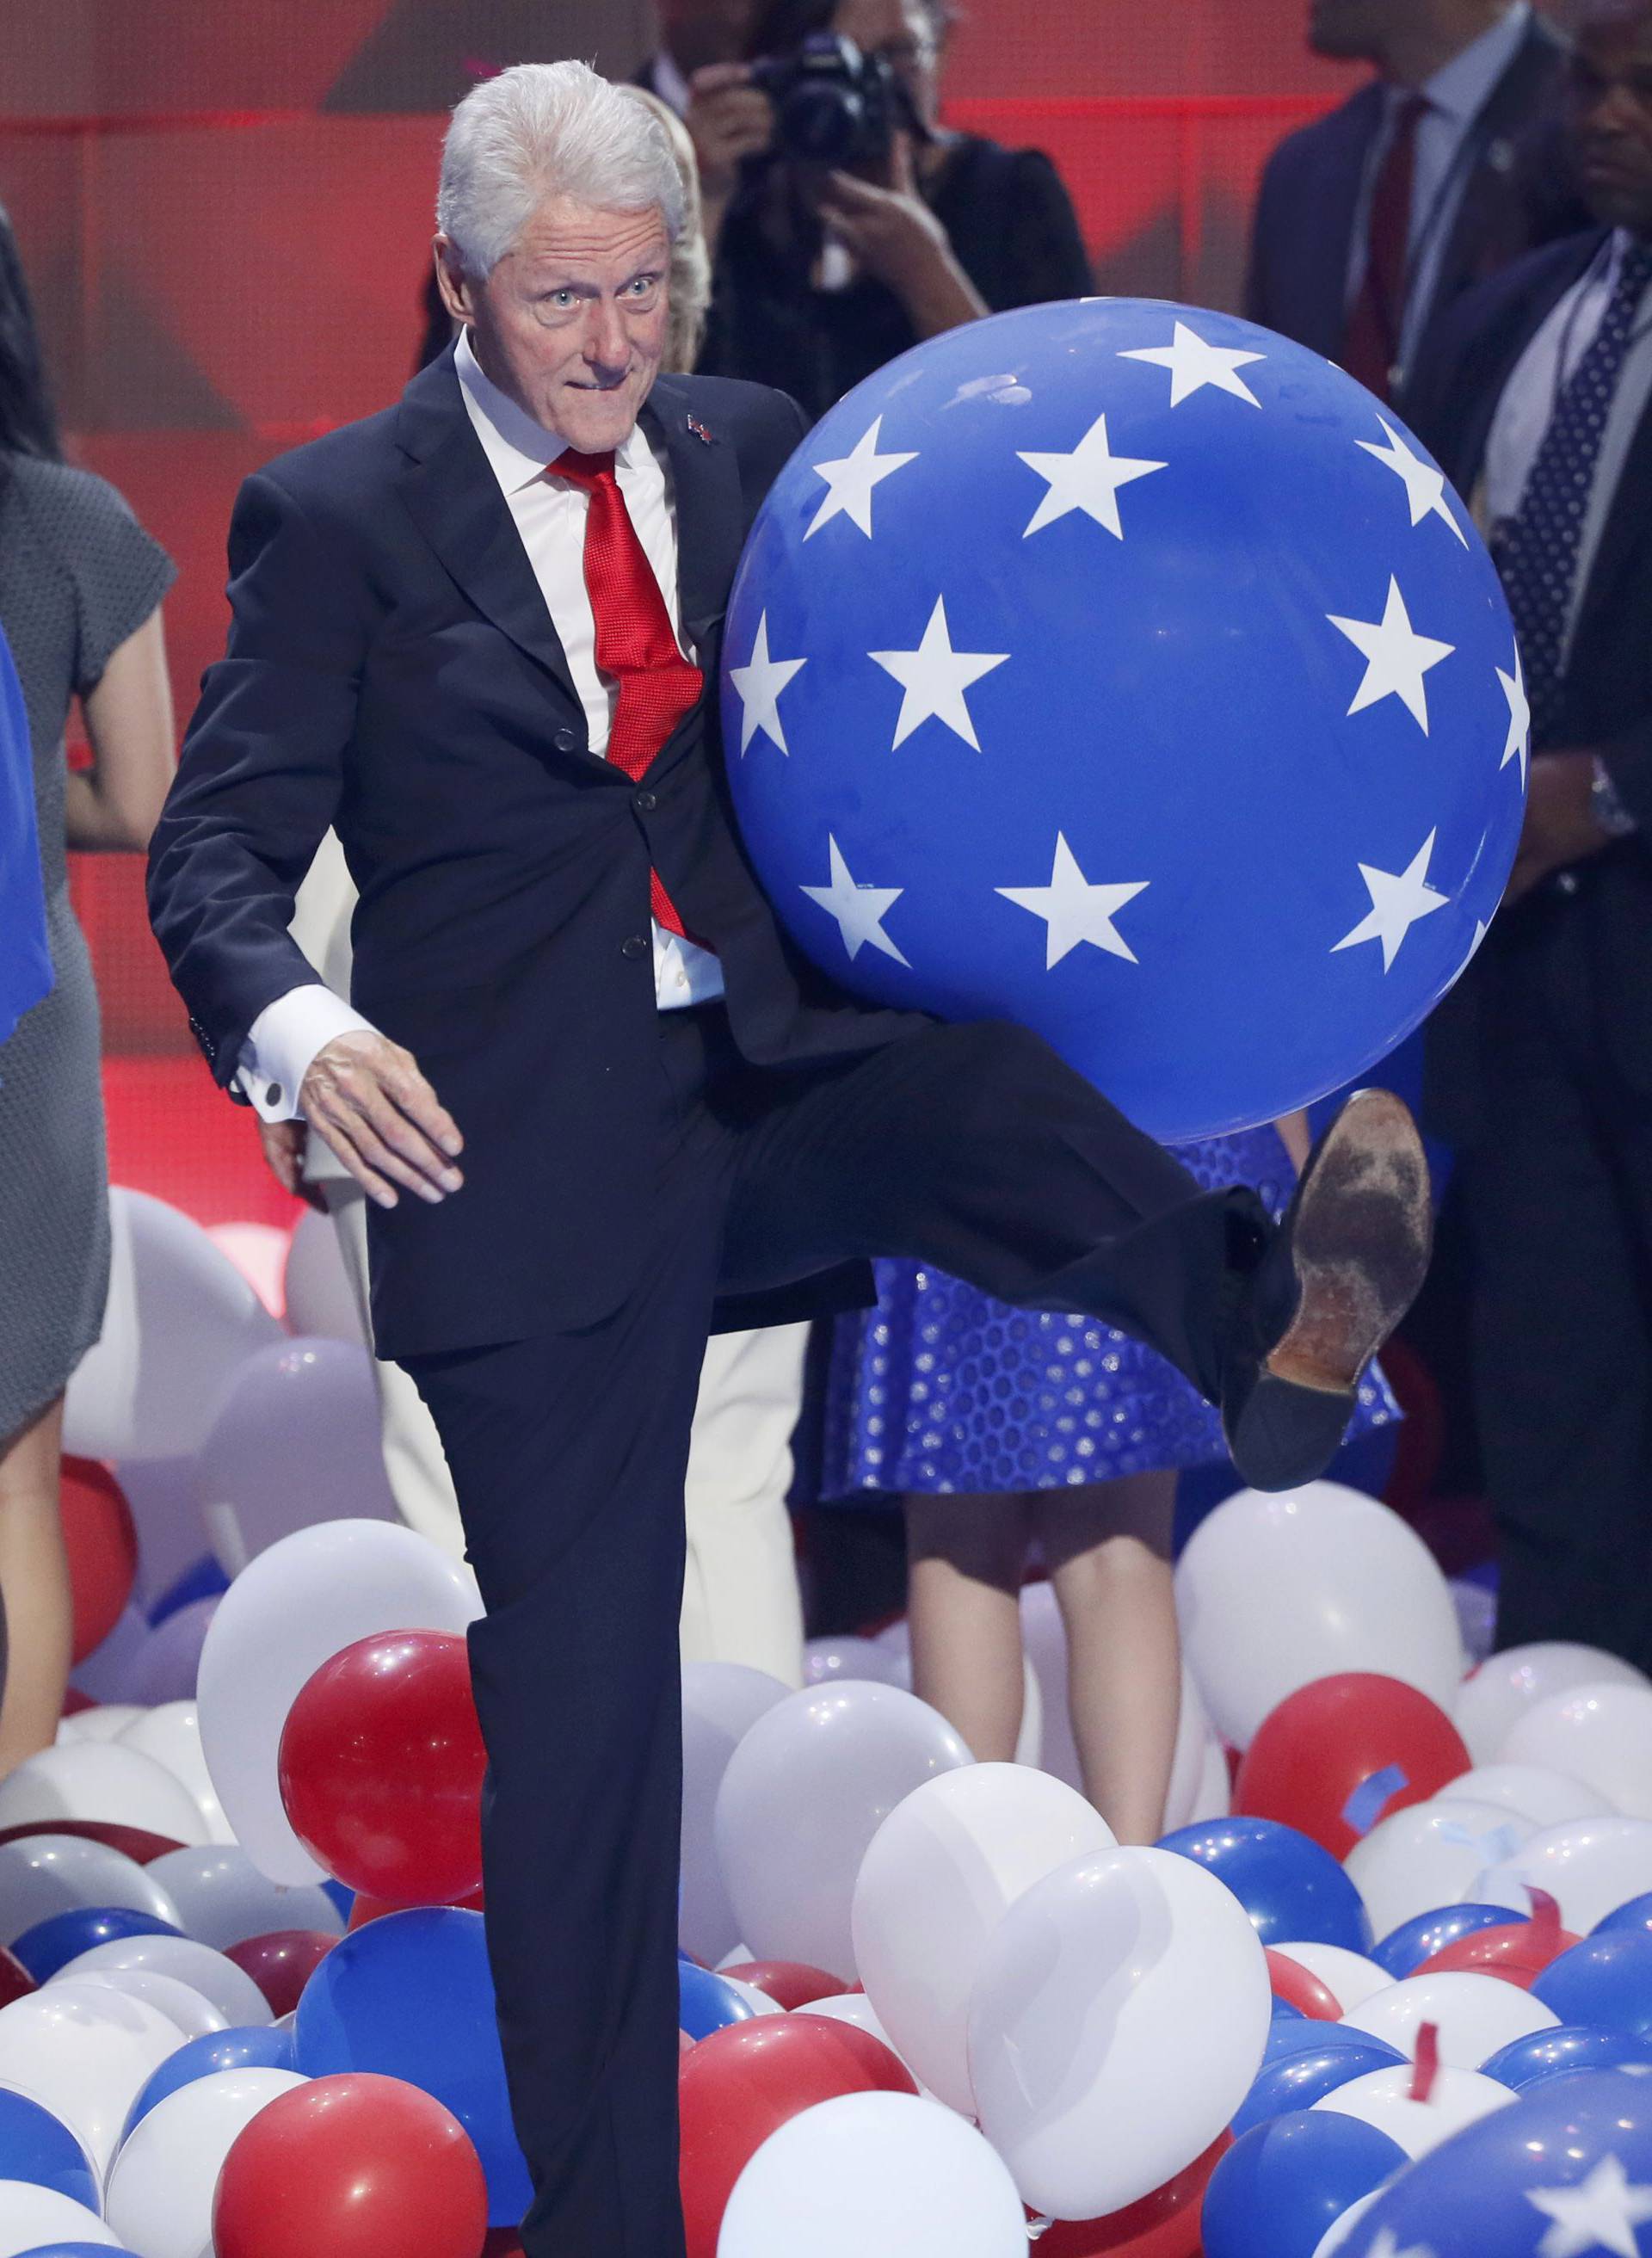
(1003, 1430)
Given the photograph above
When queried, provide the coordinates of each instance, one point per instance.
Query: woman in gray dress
(81, 584)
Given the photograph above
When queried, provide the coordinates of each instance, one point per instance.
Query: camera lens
(823, 123)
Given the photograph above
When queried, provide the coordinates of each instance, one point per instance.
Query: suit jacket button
(634, 946)
(645, 803)
(565, 740)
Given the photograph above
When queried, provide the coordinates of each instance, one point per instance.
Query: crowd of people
(1470, 235)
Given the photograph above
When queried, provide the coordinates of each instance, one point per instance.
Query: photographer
(826, 270)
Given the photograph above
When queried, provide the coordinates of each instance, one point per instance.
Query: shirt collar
(668, 81)
(519, 450)
(1461, 88)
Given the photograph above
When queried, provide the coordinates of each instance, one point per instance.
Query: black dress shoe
(1341, 1270)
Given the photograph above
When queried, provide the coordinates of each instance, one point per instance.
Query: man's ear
(451, 280)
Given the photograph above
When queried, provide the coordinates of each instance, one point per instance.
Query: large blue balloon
(1539, 2055)
(251, 2046)
(705, 2002)
(410, 1995)
(1293, 1889)
(1567, 2167)
(1637, 1914)
(1404, 1950)
(38, 2147)
(1116, 666)
(1606, 1979)
(51, 1944)
(1282, 2185)
(1298, 2079)
(78, 2250)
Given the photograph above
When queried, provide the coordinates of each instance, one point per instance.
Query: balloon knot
(1427, 2062)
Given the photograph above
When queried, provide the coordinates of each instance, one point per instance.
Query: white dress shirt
(1529, 396)
(1456, 95)
(550, 515)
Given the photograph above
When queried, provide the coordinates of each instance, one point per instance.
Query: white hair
(544, 130)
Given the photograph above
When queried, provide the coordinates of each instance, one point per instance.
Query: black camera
(834, 106)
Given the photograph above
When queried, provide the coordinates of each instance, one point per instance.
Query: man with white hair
(480, 634)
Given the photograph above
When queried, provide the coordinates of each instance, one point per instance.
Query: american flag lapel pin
(699, 430)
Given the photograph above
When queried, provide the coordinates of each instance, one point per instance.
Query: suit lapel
(711, 519)
(1327, 220)
(1485, 229)
(1628, 521)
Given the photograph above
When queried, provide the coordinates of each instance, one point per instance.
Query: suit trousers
(973, 1148)
(1559, 1200)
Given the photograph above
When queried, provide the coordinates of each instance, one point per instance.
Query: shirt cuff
(283, 1040)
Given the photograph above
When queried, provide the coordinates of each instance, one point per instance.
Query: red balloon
(1338, 1755)
(792, 1983)
(136, 1841)
(1301, 1989)
(282, 1963)
(102, 1544)
(358, 2166)
(1519, 1953)
(1163, 2225)
(740, 2084)
(381, 1765)
(16, 1982)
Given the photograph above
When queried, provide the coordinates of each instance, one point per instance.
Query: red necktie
(1370, 343)
(636, 644)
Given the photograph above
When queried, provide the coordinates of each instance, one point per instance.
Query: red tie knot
(587, 470)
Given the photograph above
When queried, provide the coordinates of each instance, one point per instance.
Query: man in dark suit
(1372, 223)
(479, 633)
(1537, 400)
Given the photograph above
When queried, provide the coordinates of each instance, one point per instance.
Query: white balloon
(106, 1721)
(759, 2002)
(721, 1701)
(1029, 1740)
(231, 1991)
(829, 1661)
(938, 1877)
(880, 2175)
(292, 1609)
(159, 2194)
(1490, 1699)
(180, 2003)
(1588, 1866)
(84, 2051)
(1475, 2015)
(802, 1795)
(1121, 2013)
(222, 1899)
(110, 1672)
(101, 1779)
(1214, 1798)
(1476, 1617)
(1599, 1733)
(172, 1735)
(258, 1252)
(1192, 1766)
(320, 1298)
(31, 2217)
(1275, 1591)
(42, 1875)
(179, 1320)
(1426, 1855)
(1548, 1799)
(737, 1956)
(1382, 2097)
(1349, 1976)
(855, 2007)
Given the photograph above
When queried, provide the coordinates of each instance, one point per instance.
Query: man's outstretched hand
(365, 1096)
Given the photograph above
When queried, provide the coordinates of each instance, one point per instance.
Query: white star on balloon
(1424, 485)
(1600, 2213)
(1396, 657)
(758, 685)
(1074, 909)
(860, 911)
(1519, 716)
(1386, 2247)
(1088, 478)
(935, 678)
(850, 479)
(1193, 363)
(1397, 902)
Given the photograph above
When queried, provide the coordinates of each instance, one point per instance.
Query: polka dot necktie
(1536, 549)
(636, 647)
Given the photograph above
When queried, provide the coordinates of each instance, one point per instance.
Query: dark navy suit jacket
(392, 670)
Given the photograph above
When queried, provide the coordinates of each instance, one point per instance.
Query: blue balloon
(410, 1995)
(202, 1579)
(1230, 748)
(1282, 2185)
(38, 2147)
(1519, 2182)
(1291, 1888)
(344, 1897)
(1637, 1914)
(1528, 2061)
(705, 2002)
(1298, 2079)
(78, 2250)
(51, 1944)
(1404, 1950)
(1606, 1979)
(1308, 2036)
(251, 2046)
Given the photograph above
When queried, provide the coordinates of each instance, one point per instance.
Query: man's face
(571, 322)
(1352, 30)
(1611, 118)
(902, 32)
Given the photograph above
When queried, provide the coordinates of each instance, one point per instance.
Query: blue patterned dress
(942, 1389)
